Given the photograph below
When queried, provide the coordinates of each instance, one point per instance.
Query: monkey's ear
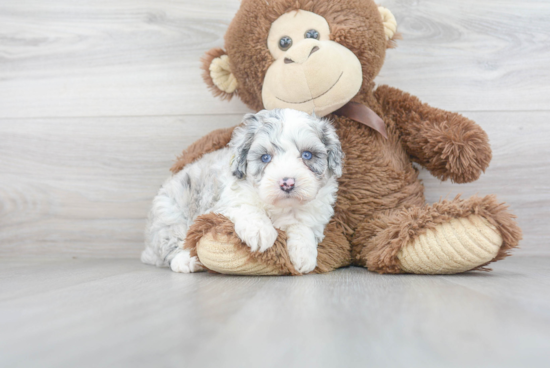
(217, 74)
(390, 26)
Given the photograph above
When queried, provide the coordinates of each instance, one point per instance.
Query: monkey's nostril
(316, 48)
(288, 61)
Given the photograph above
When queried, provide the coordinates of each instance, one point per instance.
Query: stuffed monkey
(322, 56)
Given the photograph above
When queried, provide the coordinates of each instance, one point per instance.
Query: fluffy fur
(380, 206)
(279, 171)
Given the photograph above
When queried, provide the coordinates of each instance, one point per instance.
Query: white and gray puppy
(279, 171)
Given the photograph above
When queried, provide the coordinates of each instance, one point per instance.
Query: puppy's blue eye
(266, 158)
(306, 155)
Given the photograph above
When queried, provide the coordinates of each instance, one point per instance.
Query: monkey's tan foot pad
(221, 255)
(456, 246)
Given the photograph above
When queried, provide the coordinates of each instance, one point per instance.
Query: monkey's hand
(449, 145)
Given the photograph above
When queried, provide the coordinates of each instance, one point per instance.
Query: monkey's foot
(223, 256)
(445, 238)
(213, 240)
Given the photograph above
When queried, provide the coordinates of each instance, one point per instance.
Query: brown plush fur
(380, 205)
(334, 251)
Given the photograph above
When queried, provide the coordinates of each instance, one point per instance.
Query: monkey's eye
(306, 155)
(266, 158)
(312, 34)
(285, 42)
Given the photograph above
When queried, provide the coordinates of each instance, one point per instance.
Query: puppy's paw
(303, 254)
(258, 234)
(184, 263)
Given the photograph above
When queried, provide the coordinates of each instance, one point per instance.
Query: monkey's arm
(209, 143)
(449, 145)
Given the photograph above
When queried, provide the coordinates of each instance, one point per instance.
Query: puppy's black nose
(286, 184)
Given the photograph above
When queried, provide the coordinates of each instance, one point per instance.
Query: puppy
(279, 171)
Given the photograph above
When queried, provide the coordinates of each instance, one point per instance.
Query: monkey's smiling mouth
(314, 98)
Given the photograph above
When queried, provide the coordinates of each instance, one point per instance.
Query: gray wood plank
(86, 313)
(129, 58)
(105, 58)
(472, 55)
(82, 187)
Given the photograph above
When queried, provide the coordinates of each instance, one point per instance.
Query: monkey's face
(308, 55)
(310, 72)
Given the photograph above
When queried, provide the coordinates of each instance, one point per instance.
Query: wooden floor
(120, 313)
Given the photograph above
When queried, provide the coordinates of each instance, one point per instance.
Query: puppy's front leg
(302, 247)
(253, 227)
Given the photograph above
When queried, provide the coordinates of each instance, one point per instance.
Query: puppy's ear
(335, 155)
(241, 141)
(217, 74)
